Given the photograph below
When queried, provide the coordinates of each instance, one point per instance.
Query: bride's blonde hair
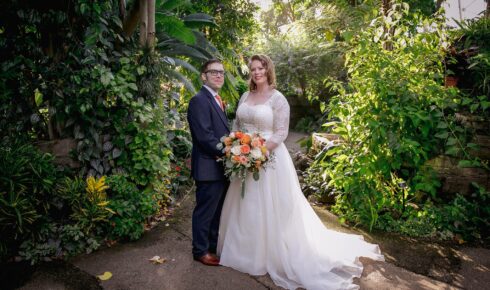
(269, 68)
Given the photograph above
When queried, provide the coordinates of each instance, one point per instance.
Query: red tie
(220, 102)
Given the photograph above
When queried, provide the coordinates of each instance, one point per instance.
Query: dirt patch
(435, 260)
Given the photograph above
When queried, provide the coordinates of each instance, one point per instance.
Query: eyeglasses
(216, 73)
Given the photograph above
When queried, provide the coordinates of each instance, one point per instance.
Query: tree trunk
(385, 7)
(122, 10)
(131, 21)
(487, 12)
(151, 24)
(143, 22)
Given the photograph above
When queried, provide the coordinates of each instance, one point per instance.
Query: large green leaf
(180, 77)
(198, 20)
(171, 48)
(186, 65)
(174, 27)
(170, 4)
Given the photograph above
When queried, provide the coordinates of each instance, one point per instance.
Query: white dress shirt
(214, 93)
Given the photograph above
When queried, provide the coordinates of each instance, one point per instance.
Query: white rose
(256, 153)
(232, 134)
(235, 150)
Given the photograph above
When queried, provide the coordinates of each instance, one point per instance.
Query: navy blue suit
(208, 123)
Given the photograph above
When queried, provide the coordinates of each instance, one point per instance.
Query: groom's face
(214, 77)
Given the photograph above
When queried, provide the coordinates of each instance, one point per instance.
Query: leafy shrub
(472, 42)
(393, 116)
(465, 218)
(131, 207)
(92, 212)
(308, 124)
(57, 241)
(147, 152)
(27, 179)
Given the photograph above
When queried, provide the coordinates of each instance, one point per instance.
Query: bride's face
(259, 72)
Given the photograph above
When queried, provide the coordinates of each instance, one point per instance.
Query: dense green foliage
(470, 62)
(394, 115)
(75, 71)
(27, 182)
(46, 215)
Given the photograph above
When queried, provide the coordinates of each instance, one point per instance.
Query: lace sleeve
(236, 123)
(280, 109)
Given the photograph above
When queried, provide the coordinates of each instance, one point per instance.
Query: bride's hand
(270, 146)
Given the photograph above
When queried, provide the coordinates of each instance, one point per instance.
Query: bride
(273, 229)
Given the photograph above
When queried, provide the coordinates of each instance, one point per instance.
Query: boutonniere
(225, 106)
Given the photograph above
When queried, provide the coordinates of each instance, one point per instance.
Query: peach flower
(245, 149)
(256, 142)
(243, 160)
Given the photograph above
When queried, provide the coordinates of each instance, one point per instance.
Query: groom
(208, 123)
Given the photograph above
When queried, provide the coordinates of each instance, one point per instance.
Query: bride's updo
(269, 68)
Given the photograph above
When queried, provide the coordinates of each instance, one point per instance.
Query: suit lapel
(216, 107)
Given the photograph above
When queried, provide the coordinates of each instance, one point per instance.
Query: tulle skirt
(274, 230)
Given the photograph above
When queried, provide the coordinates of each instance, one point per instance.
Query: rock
(61, 150)
(301, 161)
(455, 179)
(477, 123)
(483, 141)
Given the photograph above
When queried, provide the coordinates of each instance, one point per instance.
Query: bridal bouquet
(244, 153)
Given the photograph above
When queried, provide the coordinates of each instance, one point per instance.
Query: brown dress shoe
(208, 259)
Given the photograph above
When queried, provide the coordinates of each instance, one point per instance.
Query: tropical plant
(27, 179)
(92, 211)
(130, 208)
(388, 116)
(472, 53)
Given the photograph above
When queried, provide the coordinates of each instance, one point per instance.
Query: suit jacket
(208, 123)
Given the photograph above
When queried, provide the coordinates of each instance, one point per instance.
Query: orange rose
(239, 134)
(235, 159)
(245, 149)
(257, 164)
(245, 139)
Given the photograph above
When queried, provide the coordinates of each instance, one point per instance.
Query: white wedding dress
(273, 229)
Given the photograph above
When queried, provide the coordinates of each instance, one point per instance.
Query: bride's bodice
(256, 118)
(270, 119)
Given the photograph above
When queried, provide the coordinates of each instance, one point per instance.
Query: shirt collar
(213, 92)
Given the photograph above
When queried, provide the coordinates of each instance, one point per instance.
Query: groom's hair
(205, 65)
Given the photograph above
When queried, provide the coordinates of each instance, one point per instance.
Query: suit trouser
(210, 196)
